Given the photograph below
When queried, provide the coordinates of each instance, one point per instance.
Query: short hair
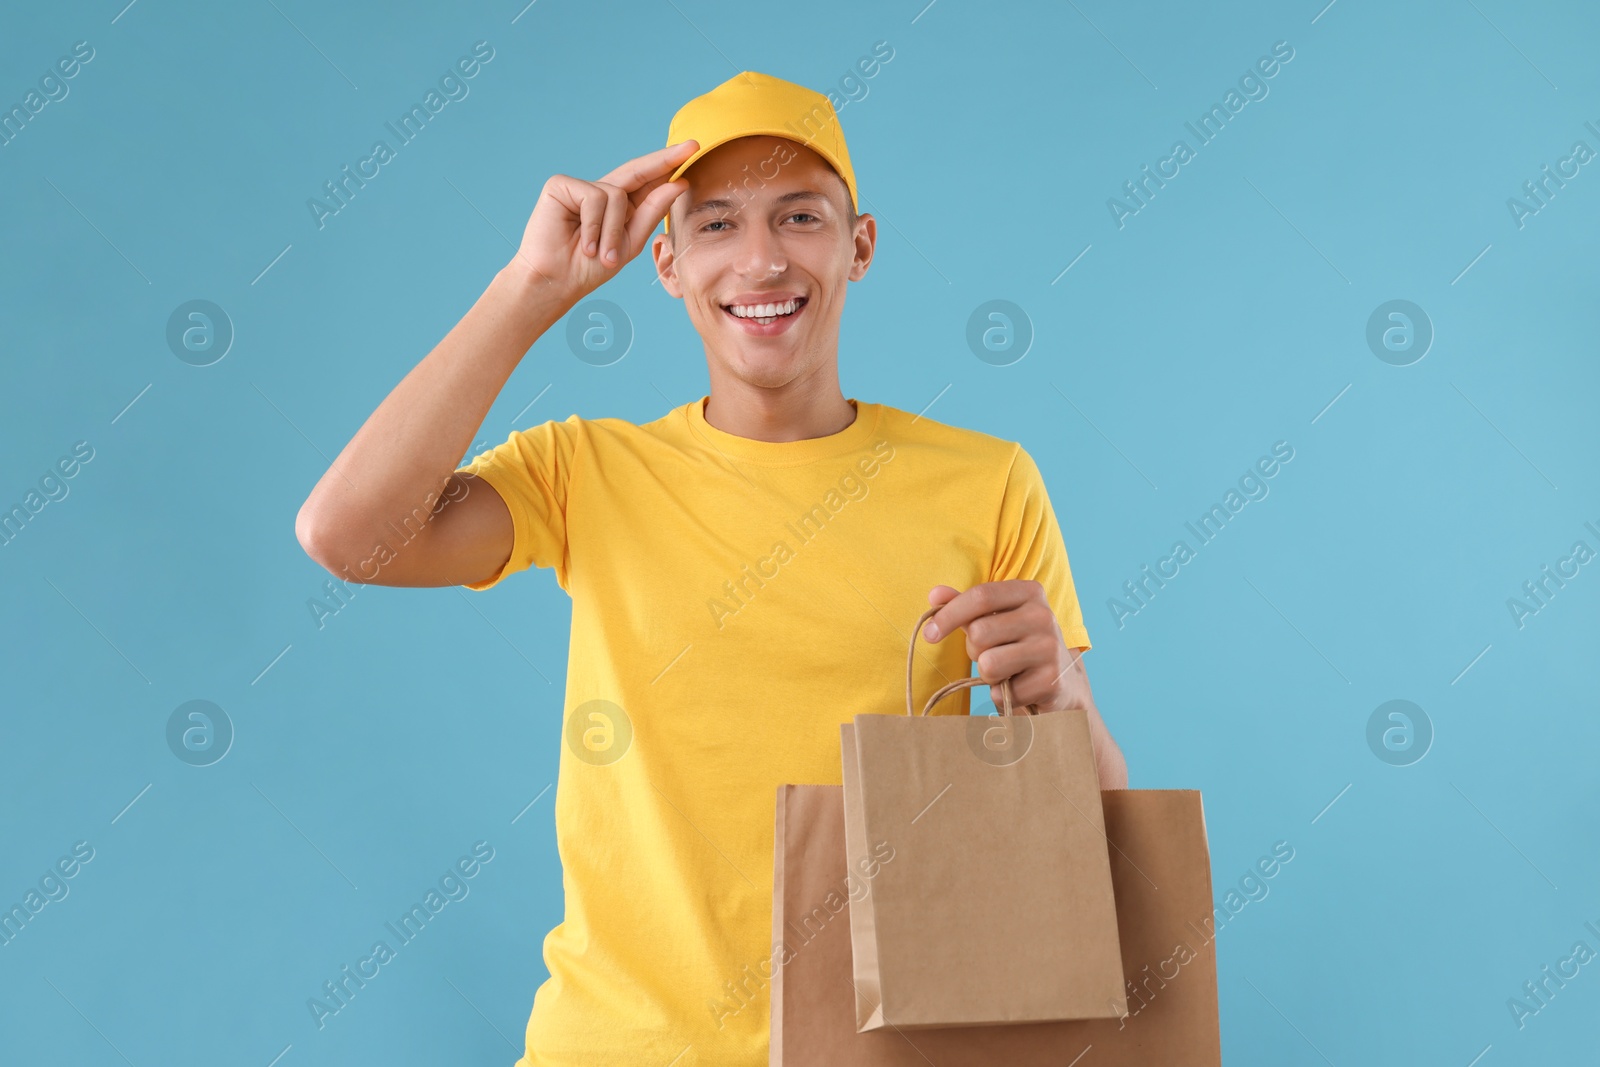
(850, 215)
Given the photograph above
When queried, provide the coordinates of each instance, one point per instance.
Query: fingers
(634, 173)
(1010, 641)
(614, 229)
(1008, 627)
(614, 216)
(1028, 686)
(980, 600)
(583, 201)
(602, 212)
(652, 210)
(638, 196)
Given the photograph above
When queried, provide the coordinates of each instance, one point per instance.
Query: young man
(744, 571)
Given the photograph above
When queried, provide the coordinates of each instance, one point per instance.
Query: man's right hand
(582, 233)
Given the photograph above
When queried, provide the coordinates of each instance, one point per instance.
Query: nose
(760, 254)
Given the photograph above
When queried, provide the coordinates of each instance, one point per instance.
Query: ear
(866, 242)
(666, 264)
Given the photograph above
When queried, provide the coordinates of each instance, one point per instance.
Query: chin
(763, 373)
(765, 377)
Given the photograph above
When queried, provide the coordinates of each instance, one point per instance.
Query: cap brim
(787, 135)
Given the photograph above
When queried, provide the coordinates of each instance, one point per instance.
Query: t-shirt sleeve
(1028, 544)
(532, 470)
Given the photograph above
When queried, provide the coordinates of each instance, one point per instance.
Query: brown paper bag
(998, 908)
(1161, 874)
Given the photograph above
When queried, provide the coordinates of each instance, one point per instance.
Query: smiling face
(761, 250)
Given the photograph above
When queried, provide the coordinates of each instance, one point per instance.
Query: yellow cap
(749, 103)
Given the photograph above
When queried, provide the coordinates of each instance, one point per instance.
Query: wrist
(534, 300)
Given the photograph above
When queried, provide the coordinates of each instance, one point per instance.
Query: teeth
(764, 311)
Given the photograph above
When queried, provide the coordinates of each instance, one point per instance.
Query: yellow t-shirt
(733, 602)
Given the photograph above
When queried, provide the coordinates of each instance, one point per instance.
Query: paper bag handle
(960, 683)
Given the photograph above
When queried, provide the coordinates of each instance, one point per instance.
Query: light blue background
(1228, 314)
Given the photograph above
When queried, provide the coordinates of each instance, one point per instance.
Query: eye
(804, 215)
(712, 223)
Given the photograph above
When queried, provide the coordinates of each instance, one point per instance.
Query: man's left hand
(1012, 632)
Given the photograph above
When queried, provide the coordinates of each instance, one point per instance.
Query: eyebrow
(728, 205)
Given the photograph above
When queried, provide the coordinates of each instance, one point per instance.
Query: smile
(765, 314)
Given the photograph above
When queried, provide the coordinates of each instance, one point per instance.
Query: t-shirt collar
(785, 453)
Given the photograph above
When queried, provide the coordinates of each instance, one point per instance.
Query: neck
(801, 410)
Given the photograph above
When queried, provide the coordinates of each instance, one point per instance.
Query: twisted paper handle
(960, 683)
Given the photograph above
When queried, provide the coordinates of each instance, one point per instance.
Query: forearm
(407, 449)
(1076, 692)
(1109, 763)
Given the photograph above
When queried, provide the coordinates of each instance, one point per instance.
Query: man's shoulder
(617, 428)
(957, 445)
